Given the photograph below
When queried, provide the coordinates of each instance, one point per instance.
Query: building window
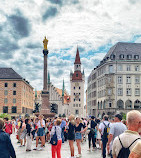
(137, 91)
(76, 75)
(110, 68)
(5, 92)
(136, 57)
(120, 67)
(121, 56)
(120, 91)
(128, 91)
(6, 85)
(74, 99)
(128, 79)
(109, 91)
(76, 112)
(79, 105)
(73, 87)
(14, 85)
(5, 100)
(120, 80)
(110, 104)
(128, 68)
(14, 92)
(74, 93)
(73, 105)
(14, 109)
(137, 79)
(79, 87)
(137, 68)
(129, 57)
(5, 109)
(76, 105)
(79, 99)
(14, 100)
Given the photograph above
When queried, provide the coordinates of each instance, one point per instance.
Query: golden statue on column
(45, 42)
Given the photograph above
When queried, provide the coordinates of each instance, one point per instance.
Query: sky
(91, 25)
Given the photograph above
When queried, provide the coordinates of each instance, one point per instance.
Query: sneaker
(78, 156)
(35, 148)
(40, 149)
(89, 150)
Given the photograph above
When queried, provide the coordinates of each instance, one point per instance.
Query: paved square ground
(46, 152)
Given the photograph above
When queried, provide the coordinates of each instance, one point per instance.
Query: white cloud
(88, 24)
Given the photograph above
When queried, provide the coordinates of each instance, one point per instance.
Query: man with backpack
(104, 129)
(125, 142)
(116, 129)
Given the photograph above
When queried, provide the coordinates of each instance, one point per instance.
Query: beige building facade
(118, 80)
(16, 94)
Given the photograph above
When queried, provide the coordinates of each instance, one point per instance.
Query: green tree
(5, 115)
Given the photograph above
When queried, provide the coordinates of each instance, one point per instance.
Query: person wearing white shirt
(102, 126)
(40, 132)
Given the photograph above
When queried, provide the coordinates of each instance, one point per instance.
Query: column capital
(45, 52)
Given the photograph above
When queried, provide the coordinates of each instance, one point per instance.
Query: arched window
(128, 104)
(137, 104)
(98, 105)
(120, 104)
(112, 57)
(101, 105)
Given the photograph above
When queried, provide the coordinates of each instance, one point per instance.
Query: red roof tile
(77, 75)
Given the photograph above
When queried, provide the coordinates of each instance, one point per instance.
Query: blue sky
(91, 25)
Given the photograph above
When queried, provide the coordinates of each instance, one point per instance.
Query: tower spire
(63, 89)
(48, 78)
(77, 58)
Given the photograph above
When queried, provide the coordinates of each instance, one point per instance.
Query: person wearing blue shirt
(6, 147)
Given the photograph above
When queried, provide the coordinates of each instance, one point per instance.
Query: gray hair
(132, 116)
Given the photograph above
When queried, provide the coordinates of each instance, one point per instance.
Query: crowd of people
(114, 137)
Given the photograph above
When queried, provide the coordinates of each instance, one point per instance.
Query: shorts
(40, 132)
(78, 136)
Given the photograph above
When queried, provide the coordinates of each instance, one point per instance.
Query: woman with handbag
(78, 134)
(56, 147)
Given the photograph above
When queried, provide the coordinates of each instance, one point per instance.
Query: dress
(71, 134)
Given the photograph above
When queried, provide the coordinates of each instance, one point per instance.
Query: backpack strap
(133, 142)
(104, 124)
(120, 142)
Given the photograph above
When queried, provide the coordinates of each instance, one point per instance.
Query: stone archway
(128, 104)
(120, 104)
(104, 104)
(98, 106)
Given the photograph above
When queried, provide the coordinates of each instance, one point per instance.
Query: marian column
(45, 107)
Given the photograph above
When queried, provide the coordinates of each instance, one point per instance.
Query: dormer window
(136, 57)
(112, 57)
(129, 57)
(121, 56)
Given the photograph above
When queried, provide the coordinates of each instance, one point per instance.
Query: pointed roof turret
(35, 93)
(77, 58)
(48, 78)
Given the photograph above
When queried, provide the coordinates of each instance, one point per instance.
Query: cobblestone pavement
(46, 152)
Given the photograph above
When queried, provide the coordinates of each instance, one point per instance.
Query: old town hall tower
(77, 81)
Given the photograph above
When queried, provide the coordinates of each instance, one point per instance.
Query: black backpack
(54, 139)
(106, 130)
(125, 152)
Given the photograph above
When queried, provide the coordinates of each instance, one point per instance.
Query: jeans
(104, 143)
(91, 137)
